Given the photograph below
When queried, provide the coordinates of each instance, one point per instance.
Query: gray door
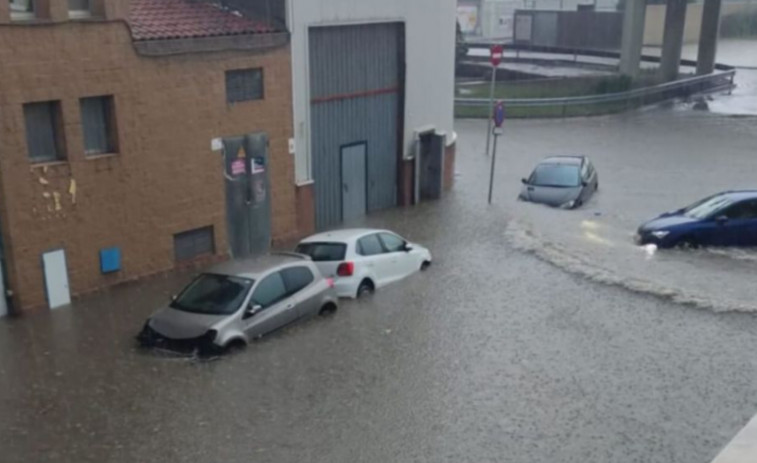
(248, 202)
(353, 182)
(356, 90)
(431, 166)
(545, 28)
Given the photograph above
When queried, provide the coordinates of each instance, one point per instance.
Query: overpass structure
(675, 20)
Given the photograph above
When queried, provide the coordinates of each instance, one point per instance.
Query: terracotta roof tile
(180, 19)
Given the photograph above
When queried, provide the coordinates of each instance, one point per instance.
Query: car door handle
(290, 306)
(345, 188)
(530, 188)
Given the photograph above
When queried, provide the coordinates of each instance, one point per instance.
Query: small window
(194, 243)
(296, 279)
(270, 291)
(323, 252)
(244, 85)
(22, 9)
(79, 8)
(44, 131)
(393, 243)
(370, 246)
(98, 124)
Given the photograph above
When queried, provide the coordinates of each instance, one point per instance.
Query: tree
(461, 48)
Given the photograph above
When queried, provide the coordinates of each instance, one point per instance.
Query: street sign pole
(498, 116)
(496, 52)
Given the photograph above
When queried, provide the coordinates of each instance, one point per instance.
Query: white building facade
(373, 90)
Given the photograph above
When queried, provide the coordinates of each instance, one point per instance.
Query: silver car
(239, 301)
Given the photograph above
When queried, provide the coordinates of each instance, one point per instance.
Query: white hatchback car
(363, 260)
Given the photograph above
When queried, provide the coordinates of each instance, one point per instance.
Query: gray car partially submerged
(239, 301)
(566, 182)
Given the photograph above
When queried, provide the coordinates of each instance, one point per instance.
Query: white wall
(430, 56)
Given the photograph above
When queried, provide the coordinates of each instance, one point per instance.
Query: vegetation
(461, 49)
(740, 24)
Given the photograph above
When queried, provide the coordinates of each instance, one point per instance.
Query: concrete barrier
(743, 447)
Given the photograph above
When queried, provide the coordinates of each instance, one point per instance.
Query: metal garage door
(356, 89)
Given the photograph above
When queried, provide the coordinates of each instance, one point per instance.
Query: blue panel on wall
(110, 260)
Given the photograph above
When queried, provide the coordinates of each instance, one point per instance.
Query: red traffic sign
(496, 52)
(499, 114)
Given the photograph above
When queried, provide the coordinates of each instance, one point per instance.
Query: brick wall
(449, 166)
(164, 178)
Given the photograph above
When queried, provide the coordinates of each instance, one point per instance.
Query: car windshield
(323, 252)
(556, 175)
(213, 295)
(707, 208)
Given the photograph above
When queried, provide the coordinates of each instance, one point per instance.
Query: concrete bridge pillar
(708, 39)
(672, 42)
(632, 43)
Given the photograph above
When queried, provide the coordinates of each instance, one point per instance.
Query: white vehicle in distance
(363, 260)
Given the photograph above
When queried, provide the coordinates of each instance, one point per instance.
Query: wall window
(22, 9)
(194, 243)
(244, 85)
(44, 131)
(79, 8)
(98, 124)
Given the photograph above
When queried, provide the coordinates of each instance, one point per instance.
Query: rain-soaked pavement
(493, 355)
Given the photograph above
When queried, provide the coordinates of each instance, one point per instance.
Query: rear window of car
(323, 252)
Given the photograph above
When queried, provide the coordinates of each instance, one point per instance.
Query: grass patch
(552, 88)
(471, 112)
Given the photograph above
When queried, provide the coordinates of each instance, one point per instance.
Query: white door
(56, 278)
(3, 303)
(401, 262)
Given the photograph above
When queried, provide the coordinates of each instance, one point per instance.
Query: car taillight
(346, 269)
(330, 282)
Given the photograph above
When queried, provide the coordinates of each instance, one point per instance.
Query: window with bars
(22, 9)
(44, 131)
(244, 85)
(79, 8)
(98, 124)
(194, 243)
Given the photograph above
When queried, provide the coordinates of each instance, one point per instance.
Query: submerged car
(239, 301)
(725, 219)
(566, 182)
(363, 260)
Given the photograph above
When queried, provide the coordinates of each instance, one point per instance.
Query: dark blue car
(725, 219)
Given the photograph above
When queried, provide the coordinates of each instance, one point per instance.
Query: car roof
(739, 195)
(341, 236)
(253, 267)
(570, 160)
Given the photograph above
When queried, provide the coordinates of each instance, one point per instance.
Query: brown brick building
(107, 113)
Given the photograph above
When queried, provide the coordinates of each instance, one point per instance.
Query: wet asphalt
(493, 355)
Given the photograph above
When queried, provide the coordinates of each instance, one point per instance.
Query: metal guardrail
(722, 79)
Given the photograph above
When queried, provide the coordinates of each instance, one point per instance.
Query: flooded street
(493, 355)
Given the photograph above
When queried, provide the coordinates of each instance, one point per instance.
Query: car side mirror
(251, 311)
(174, 297)
(524, 181)
(408, 247)
(721, 220)
(585, 183)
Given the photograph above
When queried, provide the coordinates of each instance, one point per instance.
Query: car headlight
(568, 205)
(660, 234)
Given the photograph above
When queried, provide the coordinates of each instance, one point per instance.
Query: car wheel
(366, 289)
(328, 309)
(235, 346)
(688, 242)
(425, 265)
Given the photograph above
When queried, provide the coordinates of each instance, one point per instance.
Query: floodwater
(491, 356)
